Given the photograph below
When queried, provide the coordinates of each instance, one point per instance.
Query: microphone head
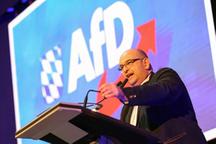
(99, 106)
(119, 84)
(122, 84)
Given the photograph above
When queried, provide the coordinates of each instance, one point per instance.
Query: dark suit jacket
(164, 108)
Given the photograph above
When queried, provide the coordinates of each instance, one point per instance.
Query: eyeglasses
(128, 63)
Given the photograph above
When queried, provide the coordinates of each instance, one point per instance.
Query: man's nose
(125, 69)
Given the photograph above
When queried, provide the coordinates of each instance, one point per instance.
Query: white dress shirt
(134, 114)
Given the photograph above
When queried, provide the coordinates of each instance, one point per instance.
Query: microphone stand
(86, 97)
(119, 84)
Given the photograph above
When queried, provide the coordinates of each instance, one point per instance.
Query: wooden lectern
(70, 123)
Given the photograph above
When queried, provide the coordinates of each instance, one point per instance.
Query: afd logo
(80, 63)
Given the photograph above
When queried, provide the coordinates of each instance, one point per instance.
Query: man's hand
(109, 90)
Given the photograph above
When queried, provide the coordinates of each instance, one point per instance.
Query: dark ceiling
(4, 4)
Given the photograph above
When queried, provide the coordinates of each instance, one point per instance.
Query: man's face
(134, 67)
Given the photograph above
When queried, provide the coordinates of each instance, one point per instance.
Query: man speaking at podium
(158, 102)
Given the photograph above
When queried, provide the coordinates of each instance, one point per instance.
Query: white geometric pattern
(51, 75)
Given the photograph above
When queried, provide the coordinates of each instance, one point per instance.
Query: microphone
(122, 84)
(99, 106)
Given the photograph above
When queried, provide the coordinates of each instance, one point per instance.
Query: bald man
(158, 102)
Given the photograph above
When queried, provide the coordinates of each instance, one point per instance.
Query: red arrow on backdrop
(147, 34)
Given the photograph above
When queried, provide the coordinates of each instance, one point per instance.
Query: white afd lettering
(80, 61)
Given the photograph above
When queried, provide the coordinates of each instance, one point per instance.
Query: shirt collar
(146, 79)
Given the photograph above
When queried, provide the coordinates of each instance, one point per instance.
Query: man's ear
(147, 63)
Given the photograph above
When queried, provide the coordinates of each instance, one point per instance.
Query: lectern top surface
(52, 114)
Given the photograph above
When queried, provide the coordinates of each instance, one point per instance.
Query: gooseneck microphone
(119, 84)
(86, 97)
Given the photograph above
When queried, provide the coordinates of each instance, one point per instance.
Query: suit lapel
(126, 113)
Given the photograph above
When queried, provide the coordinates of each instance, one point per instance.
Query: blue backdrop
(59, 50)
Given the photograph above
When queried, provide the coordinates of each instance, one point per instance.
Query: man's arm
(165, 88)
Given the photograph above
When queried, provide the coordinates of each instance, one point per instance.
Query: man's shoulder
(165, 70)
(165, 74)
